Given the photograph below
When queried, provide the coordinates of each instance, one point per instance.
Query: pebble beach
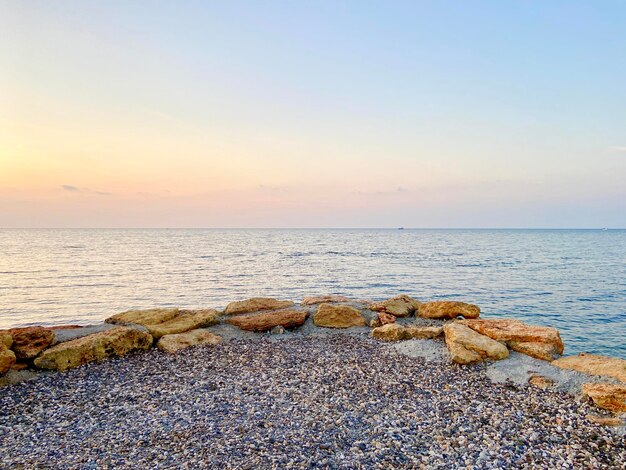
(337, 401)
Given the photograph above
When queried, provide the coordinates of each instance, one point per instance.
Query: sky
(313, 114)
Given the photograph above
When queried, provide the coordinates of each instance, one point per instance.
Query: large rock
(540, 342)
(338, 316)
(28, 342)
(256, 304)
(395, 332)
(389, 332)
(115, 342)
(7, 357)
(445, 310)
(467, 346)
(167, 321)
(610, 397)
(152, 316)
(594, 365)
(400, 306)
(268, 320)
(320, 299)
(176, 342)
(423, 332)
(187, 320)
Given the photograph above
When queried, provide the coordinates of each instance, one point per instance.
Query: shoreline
(447, 343)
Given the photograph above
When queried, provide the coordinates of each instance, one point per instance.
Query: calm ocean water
(574, 280)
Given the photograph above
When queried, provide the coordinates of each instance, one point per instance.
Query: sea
(574, 280)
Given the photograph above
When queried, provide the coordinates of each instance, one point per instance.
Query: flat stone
(399, 306)
(186, 321)
(268, 320)
(176, 342)
(390, 332)
(338, 316)
(595, 365)
(540, 381)
(444, 309)
(28, 342)
(256, 304)
(114, 342)
(423, 332)
(540, 342)
(320, 299)
(152, 316)
(611, 397)
(467, 346)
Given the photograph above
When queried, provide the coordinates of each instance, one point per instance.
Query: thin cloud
(75, 189)
(618, 149)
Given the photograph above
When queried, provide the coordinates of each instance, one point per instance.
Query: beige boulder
(7, 357)
(594, 365)
(540, 342)
(117, 341)
(187, 320)
(400, 306)
(389, 332)
(28, 342)
(152, 316)
(423, 332)
(445, 310)
(338, 316)
(320, 299)
(175, 342)
(268, 320)
(256, 304)
(611, 397)
(467, 346)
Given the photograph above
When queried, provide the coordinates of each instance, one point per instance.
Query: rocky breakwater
(467, 338)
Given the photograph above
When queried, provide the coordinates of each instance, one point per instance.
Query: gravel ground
(334, 401)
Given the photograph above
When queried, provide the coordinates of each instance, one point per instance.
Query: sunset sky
(312, 114)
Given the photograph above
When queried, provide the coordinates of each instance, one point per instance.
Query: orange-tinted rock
(389, 332)
(268, 320)
(256, 304)
(445, 310)
(186, 321)
(28, 342)
(324, 299)
(594, 365)
(611, 397)
(400, 306)
(338, 316)
(176, 342)
(467, 346)
(540, 342)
